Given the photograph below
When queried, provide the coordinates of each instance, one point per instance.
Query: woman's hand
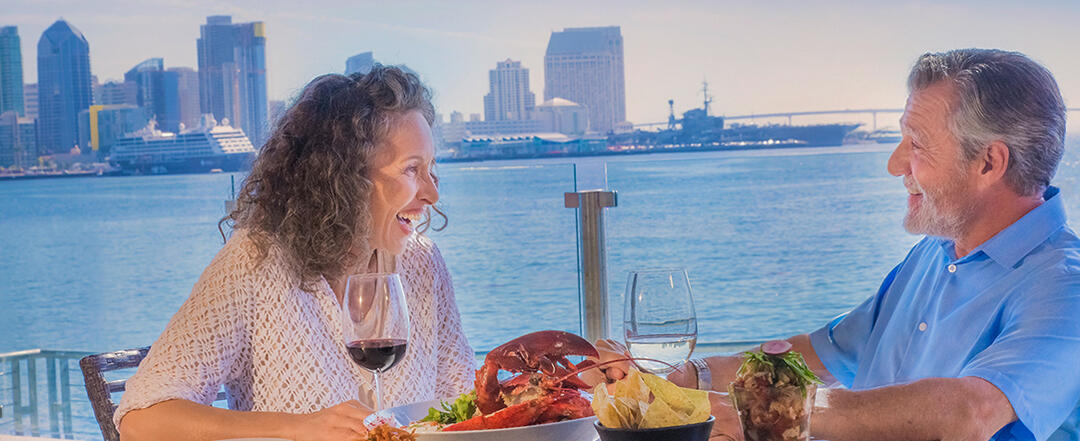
(343, 422)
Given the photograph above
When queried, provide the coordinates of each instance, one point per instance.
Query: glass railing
(42, 394)
(510, 247)
(776, 242)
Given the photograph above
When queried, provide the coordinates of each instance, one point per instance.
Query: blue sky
(758, 57)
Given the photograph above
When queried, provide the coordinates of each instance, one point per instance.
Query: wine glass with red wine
(376, 323)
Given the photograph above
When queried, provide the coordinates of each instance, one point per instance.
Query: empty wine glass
(376, 323)
(659, 318)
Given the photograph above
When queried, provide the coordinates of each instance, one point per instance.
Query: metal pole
(593, 258)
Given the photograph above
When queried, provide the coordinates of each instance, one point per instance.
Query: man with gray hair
(975, 335)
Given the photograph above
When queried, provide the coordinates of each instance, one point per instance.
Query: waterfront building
(18, 140)
(361, 62)
(30, 100)
(208, 147)
(111, 93)
(508, 97)
(63, 86)
(585, 65)
(505, 127)
(158, 91)
(187, 90)
(11, 71)
(232, 74)
(559, 115)
(531, 145)
(101, 126)
(456, 117)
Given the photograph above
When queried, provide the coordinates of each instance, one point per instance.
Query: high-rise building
(585, 66)
(30, 100)
(251, 57)
(508, 97)
(361, 62)
(63, 86)
(11, 72)
(187, 88)
(114, 93)
(18, 140)
(232, 74)
(157, 92)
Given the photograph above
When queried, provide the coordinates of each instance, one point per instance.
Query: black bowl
(689, 432)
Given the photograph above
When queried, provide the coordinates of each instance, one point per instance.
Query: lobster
(547, 388)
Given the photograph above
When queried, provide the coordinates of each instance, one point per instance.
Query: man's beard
(943, 211)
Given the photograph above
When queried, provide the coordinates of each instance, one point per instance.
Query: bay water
(775, 242)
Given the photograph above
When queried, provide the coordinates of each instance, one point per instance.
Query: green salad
(460, 410)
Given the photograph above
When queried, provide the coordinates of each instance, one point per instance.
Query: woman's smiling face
(404, 185)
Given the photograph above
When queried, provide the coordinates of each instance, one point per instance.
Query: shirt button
(952, 268)
(922, 326)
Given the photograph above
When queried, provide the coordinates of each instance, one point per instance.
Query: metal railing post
(593, 258)
(16, 394)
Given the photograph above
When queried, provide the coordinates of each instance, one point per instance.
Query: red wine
(377, 354)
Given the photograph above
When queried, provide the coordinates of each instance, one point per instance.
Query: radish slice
(776, 347)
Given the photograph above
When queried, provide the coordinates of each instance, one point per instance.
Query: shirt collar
(1017, 240)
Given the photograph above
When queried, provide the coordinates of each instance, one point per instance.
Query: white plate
(580, 429)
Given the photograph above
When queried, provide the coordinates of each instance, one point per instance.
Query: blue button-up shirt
(1008, 312)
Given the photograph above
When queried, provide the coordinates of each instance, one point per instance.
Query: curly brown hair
(308, 190)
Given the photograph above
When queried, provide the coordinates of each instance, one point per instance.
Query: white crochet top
(249, 326)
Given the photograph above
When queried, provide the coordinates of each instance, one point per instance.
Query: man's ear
(995, 160)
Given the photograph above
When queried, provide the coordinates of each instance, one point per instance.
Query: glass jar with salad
(773, 393)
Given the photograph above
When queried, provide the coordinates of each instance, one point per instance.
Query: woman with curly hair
(343, 186)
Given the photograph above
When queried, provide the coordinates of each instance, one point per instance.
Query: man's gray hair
(1001, 96)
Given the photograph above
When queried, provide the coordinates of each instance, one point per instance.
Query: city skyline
(786, 56)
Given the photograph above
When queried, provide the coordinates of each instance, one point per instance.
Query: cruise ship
(210, 147)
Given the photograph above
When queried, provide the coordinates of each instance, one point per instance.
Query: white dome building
(560, 115)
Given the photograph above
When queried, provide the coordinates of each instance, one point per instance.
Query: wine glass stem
(378, 393)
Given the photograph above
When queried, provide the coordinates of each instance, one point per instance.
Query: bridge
(789, 115)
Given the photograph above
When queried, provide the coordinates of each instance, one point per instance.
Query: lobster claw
(542, 351)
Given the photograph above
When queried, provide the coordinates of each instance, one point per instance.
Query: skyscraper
(251, 58)
(30, 99)
(361, 62)
(18, 137)
(157, 91)
(63, 86)
(11, 73)
(187, 81)
(509, 97)
(585, 65)
(113, 93)
(232, 74)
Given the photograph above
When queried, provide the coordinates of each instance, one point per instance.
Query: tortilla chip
(643, 401)
(660, 414)
(691, 405)
(633, 386)
(604, 408)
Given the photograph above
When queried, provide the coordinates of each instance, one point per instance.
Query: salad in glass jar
(773, 393)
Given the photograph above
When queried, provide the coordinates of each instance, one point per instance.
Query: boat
(698, 130)
(210, 147)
